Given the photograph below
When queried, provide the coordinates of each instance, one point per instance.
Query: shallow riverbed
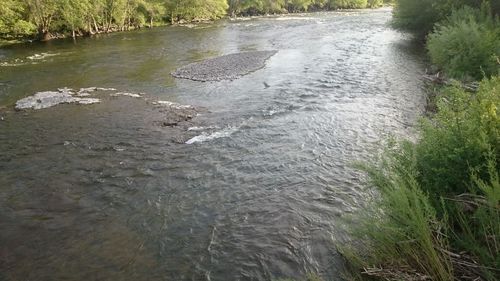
(257, 187)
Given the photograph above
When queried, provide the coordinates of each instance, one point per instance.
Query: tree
(154, 9)
(12, 22)
(196, 9)
(41, 13)
(74, 14)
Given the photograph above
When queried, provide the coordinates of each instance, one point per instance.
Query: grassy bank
(436, 215)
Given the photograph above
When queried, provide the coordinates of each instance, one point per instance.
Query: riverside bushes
(467, 44)
(458, 141)
(463, 36)
(416, 16)
(420, 16)
(437, 215)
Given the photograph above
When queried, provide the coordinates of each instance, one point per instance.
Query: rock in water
(47, 99)
(226, 67)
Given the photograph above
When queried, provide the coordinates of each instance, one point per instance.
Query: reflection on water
(101, 193)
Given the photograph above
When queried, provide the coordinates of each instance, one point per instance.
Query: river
(98, 193)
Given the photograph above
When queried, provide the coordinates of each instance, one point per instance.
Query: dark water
(100, 193)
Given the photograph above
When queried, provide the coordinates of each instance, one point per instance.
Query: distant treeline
(44, 19)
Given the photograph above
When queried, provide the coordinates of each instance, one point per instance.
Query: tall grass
(400, 235)
(436, 215)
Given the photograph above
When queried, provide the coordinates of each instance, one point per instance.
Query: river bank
(436, 213)
(181, 22)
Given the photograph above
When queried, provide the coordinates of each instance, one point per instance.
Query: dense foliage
(44, 19)
(420, 16)
(467, 44)
(438, 214)
(463, 36)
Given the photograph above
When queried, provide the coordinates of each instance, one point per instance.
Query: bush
(467, 44)
(459, 139)
(437, 213)
(416, 16)
(420, 16)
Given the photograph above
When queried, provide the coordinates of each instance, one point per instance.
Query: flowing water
(261, 192)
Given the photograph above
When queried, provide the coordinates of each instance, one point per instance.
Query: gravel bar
(228, 67)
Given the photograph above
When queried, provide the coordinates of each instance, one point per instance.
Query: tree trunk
(43, 35)
(95, 25)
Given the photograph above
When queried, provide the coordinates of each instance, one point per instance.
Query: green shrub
(437, 213)
(459, 139)
(420, 16)
(467, 44)
(416, 16)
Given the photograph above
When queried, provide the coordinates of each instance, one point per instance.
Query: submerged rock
(49, 98)
(226, 67)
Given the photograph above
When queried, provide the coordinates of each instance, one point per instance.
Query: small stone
(170, 124)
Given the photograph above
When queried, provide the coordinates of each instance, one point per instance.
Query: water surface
(100, 192)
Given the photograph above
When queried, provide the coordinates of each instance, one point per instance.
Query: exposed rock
(226, 67)
(127, 95)
(66, 90)
(86, 90)
(172, 104)
(105, 89)
(87, 100)
(49, 98)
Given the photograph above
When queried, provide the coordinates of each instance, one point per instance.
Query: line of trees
(44, 19)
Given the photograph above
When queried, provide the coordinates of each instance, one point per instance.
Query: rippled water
(261, 192)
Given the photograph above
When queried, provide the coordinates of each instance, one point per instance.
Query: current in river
(263, 191)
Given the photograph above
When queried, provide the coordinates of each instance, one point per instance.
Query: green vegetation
(437, 215)
(437, 212)
(467, 44)
(420, 16)
(46, 19)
